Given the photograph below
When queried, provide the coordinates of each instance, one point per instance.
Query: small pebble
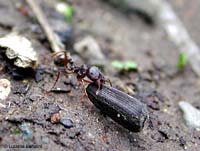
(76, 132)
(191, 114)
(182, 141)
(90, 135)
(25, 131)
(34, 97)
(5, 88)
(21, 88)
(39, 74)
(90, 50)
(55, 118)
(45, 140)
(67, 123)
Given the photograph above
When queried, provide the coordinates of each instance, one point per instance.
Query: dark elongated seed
(121, 107)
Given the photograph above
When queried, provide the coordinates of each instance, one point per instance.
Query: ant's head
(94, 73)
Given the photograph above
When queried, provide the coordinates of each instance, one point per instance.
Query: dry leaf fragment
(20, 49)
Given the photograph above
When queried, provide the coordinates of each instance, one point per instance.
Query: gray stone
(191, 114)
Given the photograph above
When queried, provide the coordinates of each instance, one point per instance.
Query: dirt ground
(121, 36)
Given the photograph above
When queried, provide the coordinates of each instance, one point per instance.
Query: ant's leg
(108, 80)
(69, 71)
(99, 86)
(83, 90)
(58, 74)
(85, 93)
(82, 81)
(83, 84)
(87, 81)
(65, 59)
(57, 77)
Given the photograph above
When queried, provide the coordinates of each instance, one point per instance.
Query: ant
(92, 73)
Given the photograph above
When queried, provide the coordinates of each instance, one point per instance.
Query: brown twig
(45, 25)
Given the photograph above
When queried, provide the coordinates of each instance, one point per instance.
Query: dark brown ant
(92, 73)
